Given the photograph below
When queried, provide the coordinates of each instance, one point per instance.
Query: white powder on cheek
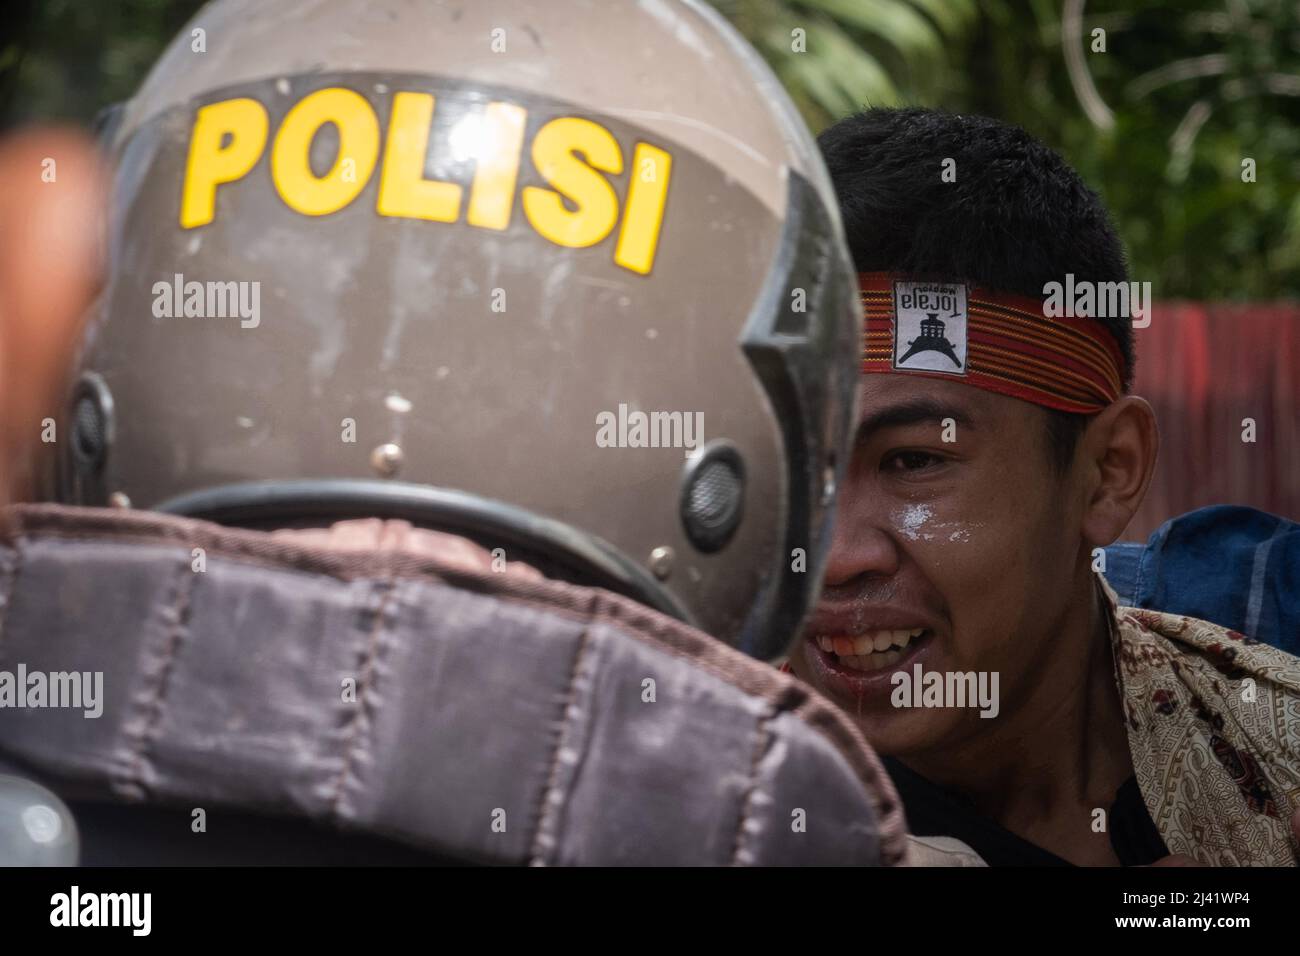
(911, 520)
(915, 523)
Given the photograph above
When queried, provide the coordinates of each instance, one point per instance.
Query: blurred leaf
(953, 17)
(897, 22)
(1206, 235)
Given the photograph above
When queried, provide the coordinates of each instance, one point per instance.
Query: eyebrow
(911, 413)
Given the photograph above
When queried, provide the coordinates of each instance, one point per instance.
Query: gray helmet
(565, 278)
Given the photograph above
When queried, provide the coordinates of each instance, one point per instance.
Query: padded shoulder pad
(495, 717)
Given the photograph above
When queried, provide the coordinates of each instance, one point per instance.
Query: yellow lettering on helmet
(644, 215)
(497, 165)
(403, 190)
(554, 154)
(578, 207)
(358, 130)
(213, 161)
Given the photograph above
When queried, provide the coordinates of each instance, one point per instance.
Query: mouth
(871, 650)
(857, 666)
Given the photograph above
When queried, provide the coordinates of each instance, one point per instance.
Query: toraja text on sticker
(396, 132)
(930, 326)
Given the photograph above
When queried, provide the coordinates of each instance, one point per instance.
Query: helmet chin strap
(558, 550)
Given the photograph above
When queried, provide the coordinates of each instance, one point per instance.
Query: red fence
(1206, 368)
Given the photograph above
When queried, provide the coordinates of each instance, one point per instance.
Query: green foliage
(79, 56)
(834, 56)
(1194, 87)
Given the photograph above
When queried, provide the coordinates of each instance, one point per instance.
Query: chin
(891, 731)
(901, 733)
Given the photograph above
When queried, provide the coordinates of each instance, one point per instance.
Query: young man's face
(976, 541)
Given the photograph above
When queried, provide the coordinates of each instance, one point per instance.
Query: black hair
(1011, 215)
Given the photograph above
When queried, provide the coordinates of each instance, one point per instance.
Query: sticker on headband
(930, 326)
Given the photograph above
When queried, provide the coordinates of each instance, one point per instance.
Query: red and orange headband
(993, 340)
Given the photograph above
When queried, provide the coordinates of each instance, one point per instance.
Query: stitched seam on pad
(552, 799)
(763, 735)
(154, 702)
(11, 576)
(364, 683)
(588, 606)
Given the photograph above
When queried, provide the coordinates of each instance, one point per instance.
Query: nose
(860, 547)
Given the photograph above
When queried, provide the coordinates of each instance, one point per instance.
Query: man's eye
(912, 461)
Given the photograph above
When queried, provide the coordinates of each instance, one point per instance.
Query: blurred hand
(49, 269)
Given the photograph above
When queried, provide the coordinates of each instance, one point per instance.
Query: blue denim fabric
(1237, 567)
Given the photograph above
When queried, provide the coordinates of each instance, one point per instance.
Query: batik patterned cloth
(1213, 723)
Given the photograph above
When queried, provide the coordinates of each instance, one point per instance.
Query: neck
(1061, 748)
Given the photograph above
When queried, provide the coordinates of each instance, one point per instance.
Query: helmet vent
(89, 435)
(713, 496)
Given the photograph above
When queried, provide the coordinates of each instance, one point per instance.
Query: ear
(49, 266)
(1119, 449)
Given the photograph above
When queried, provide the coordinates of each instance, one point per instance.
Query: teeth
(870, 651)
(881, 641)
(870, 662)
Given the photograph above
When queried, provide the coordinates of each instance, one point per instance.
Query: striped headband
(995, 341)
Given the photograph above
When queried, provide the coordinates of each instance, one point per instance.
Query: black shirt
(934, 811)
